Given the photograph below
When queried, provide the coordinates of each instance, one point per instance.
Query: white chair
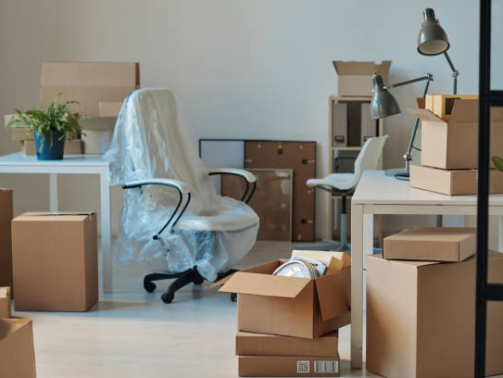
(172, 220)
(344, 184)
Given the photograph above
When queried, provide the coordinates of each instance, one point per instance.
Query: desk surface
(19, 159)
(375, 188)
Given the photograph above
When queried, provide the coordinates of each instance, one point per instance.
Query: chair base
(181, 280)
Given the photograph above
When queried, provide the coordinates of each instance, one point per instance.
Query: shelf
(354, 148)
(349, 99)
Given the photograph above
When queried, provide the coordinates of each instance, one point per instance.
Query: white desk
(74, 164)
(380, 194)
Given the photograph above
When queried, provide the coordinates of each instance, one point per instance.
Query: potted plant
(49, 127)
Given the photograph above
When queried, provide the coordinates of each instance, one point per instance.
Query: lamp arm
(428, 77)
(455, 72)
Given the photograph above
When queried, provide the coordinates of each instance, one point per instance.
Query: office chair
(172, 220)
(343, 185)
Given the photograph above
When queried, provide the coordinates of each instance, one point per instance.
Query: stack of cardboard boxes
(449, 145)
(421, 305)
(100, 89)
(288, 326)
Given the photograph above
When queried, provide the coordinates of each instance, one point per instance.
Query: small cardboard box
(421, 318)
(267, 366)
(452, 182)
(454, 144)
(259, 344)
(55, 261)
(17, 355)
(450, 244)
(442, 105)
(355, 78)
(6, 215)
(5, 302)
(290, 306)
(19, 133)
(97, 134)
(72, 147)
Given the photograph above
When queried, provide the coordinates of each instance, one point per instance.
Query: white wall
(243, 69)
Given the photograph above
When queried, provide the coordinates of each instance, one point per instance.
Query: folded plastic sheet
(152, 140)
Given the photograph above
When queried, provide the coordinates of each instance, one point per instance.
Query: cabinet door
(339, 124)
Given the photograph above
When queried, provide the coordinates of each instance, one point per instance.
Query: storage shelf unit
(334, 149)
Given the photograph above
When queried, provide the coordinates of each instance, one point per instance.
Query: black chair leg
(190, 276)
(148, 281)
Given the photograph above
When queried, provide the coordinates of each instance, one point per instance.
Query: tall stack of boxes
(421, 305)
(288, 326)
(449, 145)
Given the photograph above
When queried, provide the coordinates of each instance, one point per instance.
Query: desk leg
(356, 285)
(53, 192)
(106, 233)
(368, 236)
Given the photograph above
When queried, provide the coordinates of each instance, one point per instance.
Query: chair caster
(199, 281)
(234, 297)
(167, 297)
(149, 286)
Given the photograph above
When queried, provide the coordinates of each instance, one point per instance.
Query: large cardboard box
(267, 366)
(97, 134)
(454, 144)
(5, 302)
(452, 182)
(355, 78)
(290, 306)
(72, 147)
(6, 214)
(259, 344)
(450, 244)
(442, 105)
(421, 318)
(17, 355)
(55, 261)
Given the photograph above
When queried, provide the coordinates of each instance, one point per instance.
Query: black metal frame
(487, 98)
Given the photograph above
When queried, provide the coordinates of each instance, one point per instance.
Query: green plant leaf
(498, 163)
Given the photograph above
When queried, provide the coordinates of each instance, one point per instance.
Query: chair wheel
(199, 281)
(167, 297)
(234, 297)
(149, 286)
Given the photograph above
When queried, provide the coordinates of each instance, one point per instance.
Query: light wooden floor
(133, 334)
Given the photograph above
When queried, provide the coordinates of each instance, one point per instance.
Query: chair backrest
(153, 140)
(368, 158)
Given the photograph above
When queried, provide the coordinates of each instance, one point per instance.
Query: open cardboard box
(454, 144)
(355, 78)
(290, 306)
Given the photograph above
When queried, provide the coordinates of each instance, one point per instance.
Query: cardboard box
(454, 144)
(109, 109)
(6, 215)
(450, 244)
(5, 296)
(90, 74)
(442, 105)
(19, 133)
(260, 366)
(355, 78)
(290, 306)
(72, 147)
(55, 261)
(97, 134)
(421, 318)
(17, 355)
(452, 182)
(259, 344)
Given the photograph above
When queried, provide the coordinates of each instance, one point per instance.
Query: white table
(377, 193)
(74, 164)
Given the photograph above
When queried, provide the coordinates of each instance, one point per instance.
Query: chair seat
(340, 181)
(232, 216)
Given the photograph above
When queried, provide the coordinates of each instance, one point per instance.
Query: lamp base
(398, 173)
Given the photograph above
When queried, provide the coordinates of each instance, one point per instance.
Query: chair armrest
(179, 185)
(248, 176)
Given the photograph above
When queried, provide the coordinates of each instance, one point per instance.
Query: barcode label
(326, 366)
(303, 367)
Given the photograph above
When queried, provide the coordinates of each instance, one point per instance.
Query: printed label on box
(326, 367)
(303, 367)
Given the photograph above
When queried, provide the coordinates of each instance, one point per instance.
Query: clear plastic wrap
(152, 140)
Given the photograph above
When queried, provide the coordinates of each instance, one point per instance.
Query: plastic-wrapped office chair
(344, 184)
(172, 220)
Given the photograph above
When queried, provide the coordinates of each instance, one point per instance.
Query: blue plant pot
(50, 151)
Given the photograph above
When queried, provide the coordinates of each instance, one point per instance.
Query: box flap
(425, 115)
(383, 68)
(355, 68)
(465, 111)
(265, 285)
(266, 268)
(51, 216)
(334, 293)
